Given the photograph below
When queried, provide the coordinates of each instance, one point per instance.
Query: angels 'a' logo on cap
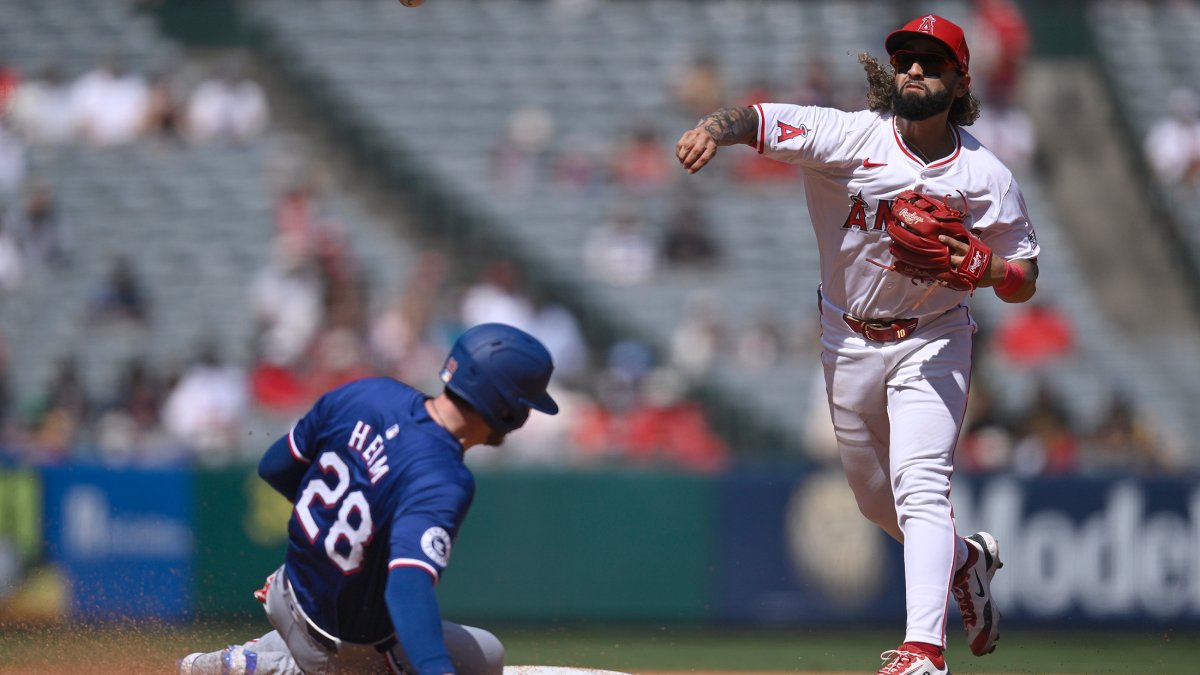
(927, 24)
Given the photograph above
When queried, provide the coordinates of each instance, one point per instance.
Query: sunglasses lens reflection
(932, 65)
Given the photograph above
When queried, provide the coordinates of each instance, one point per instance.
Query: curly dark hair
(881, 89)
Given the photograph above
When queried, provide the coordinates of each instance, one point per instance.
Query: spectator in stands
(42, 109)
(14, 162)
(39, 227)
(205, 410)
(1045, 443)
(129, 429)
(521, 161)
(700, 337)
(814, 87)
(10, 81)
(750, 168)
(621, 251)
(1172, 145)
(1034, 335)
(286, 299)
(339, 357)
(600, 429)
(121, 297)
(759, 87)
(402, 338)
(545, 440)
(665, 428)
(12, 260)
(304, 219)
(557, 328)
(763, 344)
(1000, 44)
(687, 241)
(1007, 130)
(641, 164)
(1126, 442)
(345, 302)
(109, 104)
(580, 165)
(641, 417)
(60, 418)
(227, 107)
(164, 108)
(987, 443)
(700, 87)
(498, 296)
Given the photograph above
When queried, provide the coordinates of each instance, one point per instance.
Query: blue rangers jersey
(375, 484)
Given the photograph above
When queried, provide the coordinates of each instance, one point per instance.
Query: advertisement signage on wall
(773, 547)
(794, 549)
(1081, 551)
(123, 539)
(1093, 551)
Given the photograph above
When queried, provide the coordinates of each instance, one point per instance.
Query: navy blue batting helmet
(502, 372)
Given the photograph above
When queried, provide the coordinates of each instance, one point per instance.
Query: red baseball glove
(919, 219)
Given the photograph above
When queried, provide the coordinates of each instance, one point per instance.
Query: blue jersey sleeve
(285, 462)
(417, 620)
(281, 470)
(423, 536)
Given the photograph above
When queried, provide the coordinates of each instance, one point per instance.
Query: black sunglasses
(932, 65)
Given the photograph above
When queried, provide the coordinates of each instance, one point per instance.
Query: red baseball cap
(937, 28)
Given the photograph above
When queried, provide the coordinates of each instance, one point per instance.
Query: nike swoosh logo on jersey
(868, 164)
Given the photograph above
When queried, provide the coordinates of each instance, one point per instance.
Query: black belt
(383, 646)
(881, 330)
(321, 638)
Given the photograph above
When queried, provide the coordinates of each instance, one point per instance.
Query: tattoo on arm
(729, 126)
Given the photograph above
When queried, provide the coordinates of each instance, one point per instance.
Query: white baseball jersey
(854, 166)
(897, 407)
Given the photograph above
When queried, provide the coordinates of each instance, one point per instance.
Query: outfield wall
(769, 546)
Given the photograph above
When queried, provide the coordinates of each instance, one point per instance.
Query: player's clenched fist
(695, 148)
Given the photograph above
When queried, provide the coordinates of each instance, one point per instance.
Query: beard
(917, 107)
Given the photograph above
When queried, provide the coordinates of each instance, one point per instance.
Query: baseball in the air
(412, 3)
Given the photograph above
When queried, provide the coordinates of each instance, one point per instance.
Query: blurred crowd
(1172, 145)
(106, 106)
(318, 325)
(1034, 430)
(319, 322)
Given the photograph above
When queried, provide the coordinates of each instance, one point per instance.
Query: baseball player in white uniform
(897, 352)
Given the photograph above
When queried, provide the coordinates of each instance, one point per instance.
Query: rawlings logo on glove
(919, 220)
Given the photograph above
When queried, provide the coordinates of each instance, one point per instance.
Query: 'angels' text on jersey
(853, 165)
(865, 219)
(859, 215)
